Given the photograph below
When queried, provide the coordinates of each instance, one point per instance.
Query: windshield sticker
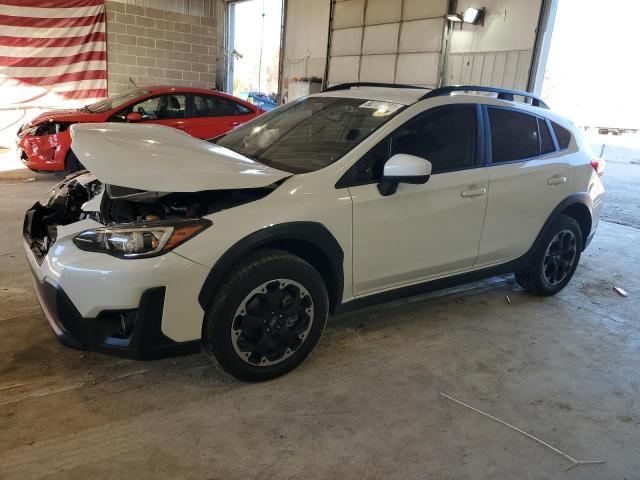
(381, 107)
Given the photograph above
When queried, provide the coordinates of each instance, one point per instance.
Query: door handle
(235, 124)
(474, 193)
(557, 180)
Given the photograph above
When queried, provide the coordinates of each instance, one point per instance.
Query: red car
(44, 143)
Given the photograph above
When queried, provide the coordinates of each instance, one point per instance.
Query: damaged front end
(137, 223)
(62, 206)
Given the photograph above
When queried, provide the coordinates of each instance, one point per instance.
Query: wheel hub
(272, 322)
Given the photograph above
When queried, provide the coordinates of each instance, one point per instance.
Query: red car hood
(68, 116)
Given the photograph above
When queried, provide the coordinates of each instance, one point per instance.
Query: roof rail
(503, 93)
(347, 86)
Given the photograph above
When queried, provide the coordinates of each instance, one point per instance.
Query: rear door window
(214, 106)
(514, 135)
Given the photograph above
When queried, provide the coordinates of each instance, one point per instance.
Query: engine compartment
(50, 127)
(82, 196)
(143, 206)
(62, 206)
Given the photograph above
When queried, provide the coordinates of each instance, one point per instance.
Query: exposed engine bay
(81, 196)
(45, 128)
(125, 205)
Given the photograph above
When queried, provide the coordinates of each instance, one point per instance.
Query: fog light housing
(126, 323)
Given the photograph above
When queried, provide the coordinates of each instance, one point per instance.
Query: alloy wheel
(272, 322)
(559, 257)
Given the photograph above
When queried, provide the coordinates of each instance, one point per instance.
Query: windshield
(309, 134)
(115, 101)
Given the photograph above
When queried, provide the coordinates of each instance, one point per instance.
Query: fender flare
(580, 198)
(313, 233)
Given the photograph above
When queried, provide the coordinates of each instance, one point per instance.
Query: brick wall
(158, 47)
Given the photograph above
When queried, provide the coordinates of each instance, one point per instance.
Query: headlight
(140, 241)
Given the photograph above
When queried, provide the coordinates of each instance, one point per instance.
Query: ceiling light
(454, 17)
(472, 15)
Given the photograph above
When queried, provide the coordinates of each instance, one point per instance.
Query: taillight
(599, 165)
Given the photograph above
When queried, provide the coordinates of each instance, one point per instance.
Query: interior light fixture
(472, 15)
(454, 17)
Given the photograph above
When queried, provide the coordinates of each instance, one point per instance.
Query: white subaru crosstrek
(361, 193)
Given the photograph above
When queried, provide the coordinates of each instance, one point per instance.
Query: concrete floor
(366, 404)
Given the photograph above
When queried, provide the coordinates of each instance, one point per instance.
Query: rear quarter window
(562, 135)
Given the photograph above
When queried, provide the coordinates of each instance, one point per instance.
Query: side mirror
(403, 168)
(134, 117)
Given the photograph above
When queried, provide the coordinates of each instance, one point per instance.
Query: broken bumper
(108, 332)
(142, 309)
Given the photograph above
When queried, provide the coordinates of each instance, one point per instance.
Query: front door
(421, 231)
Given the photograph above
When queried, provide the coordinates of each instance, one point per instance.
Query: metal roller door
(395, 41)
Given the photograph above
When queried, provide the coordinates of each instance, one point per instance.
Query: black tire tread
(529, 278)
(251, 262)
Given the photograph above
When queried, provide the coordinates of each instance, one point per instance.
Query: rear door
(528, 178)
(213, 115)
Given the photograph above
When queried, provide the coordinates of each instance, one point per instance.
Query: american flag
(52, 51)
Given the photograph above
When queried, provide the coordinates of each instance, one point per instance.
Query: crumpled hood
(163, 159)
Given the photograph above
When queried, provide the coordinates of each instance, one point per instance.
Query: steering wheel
(142, 112)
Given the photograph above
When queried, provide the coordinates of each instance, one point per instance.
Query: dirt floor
(366, 404)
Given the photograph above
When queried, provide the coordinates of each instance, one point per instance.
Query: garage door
(394, 41)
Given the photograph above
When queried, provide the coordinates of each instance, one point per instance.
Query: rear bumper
(105, 333)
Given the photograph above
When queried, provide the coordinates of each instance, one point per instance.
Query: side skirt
(431, 285)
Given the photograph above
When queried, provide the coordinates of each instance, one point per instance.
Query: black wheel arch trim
(313, 233)
(580, 198)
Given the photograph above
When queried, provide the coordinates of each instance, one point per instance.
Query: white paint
(163, 159)
(405, 165)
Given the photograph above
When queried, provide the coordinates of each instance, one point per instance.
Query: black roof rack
(347, 86)
(503, 93)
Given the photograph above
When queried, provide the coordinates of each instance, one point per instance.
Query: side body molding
(309, 240)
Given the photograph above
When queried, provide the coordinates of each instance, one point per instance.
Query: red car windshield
(116, 101)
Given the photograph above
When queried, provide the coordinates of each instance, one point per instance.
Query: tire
(267, 317)
(72, 164)
(555, 259)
